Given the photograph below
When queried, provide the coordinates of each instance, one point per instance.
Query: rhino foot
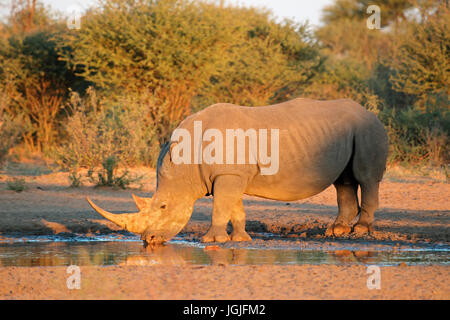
(214, 236)
(337, 230)
(240, 236)
(361, 229)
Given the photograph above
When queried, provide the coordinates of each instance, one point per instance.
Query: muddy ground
(413, 212)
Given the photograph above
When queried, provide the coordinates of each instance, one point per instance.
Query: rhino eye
(163, 206)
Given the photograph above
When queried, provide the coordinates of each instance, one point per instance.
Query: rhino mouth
(153, 240)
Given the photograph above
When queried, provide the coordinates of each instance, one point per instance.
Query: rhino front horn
(133, 222)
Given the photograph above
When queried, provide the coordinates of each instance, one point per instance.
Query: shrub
(37, 82)
(16, 184)
(75, 179)
(422, 59)
(10, 128)
(102, 135)
(109, 175)
(418, 136)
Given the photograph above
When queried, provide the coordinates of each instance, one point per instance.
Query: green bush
(36, 82)
(98, 131)
(16, 184)
(109, 175)
(418, 136)
(75, 179)
(10, 129)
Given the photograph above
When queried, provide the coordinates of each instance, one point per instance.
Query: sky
(298, 10)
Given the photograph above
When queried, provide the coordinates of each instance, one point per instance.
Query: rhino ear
(143, 204)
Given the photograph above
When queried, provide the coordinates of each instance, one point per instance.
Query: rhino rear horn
(143, 204)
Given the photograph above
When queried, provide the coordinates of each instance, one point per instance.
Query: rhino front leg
(227, 205)
(238, 222)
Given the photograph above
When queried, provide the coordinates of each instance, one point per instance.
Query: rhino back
(316, 141)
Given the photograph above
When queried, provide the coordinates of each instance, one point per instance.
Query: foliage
(10, 127)
(150, 63)
(417, 135)
(185, 51)
(16, 184)
(37, 83)
(265, 63)
(344, 78)
(109, 175)
(400, 72)
(422, 62)
(392, 10)
(10, 130)
(101, 134)
(98, 128)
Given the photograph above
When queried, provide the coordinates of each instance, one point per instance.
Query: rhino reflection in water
(176, 256)
(155, 255)
(214, 255)
(320, 143)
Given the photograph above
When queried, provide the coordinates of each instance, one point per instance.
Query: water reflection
(347, 256)
(133, 253)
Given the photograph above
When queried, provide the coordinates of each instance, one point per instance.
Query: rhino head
(162, 217)
(157, 221)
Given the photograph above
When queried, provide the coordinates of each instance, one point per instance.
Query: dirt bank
(226, 282)
(410, 212)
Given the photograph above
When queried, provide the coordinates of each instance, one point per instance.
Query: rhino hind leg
(369, 204)
(369, 164)
(347, 199)
(227, 205)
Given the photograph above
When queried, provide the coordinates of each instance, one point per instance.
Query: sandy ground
(412, 212)
(226, 282)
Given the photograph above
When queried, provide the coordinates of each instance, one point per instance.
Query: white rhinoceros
(313, 144)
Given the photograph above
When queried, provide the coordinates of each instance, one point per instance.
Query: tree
(26, 16)
(392, 10)
(348, 17)
(422, 63)
(32, 75)
(190, 54)
(266, 62)
(167, 49)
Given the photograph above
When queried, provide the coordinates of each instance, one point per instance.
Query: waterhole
(109, 251)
